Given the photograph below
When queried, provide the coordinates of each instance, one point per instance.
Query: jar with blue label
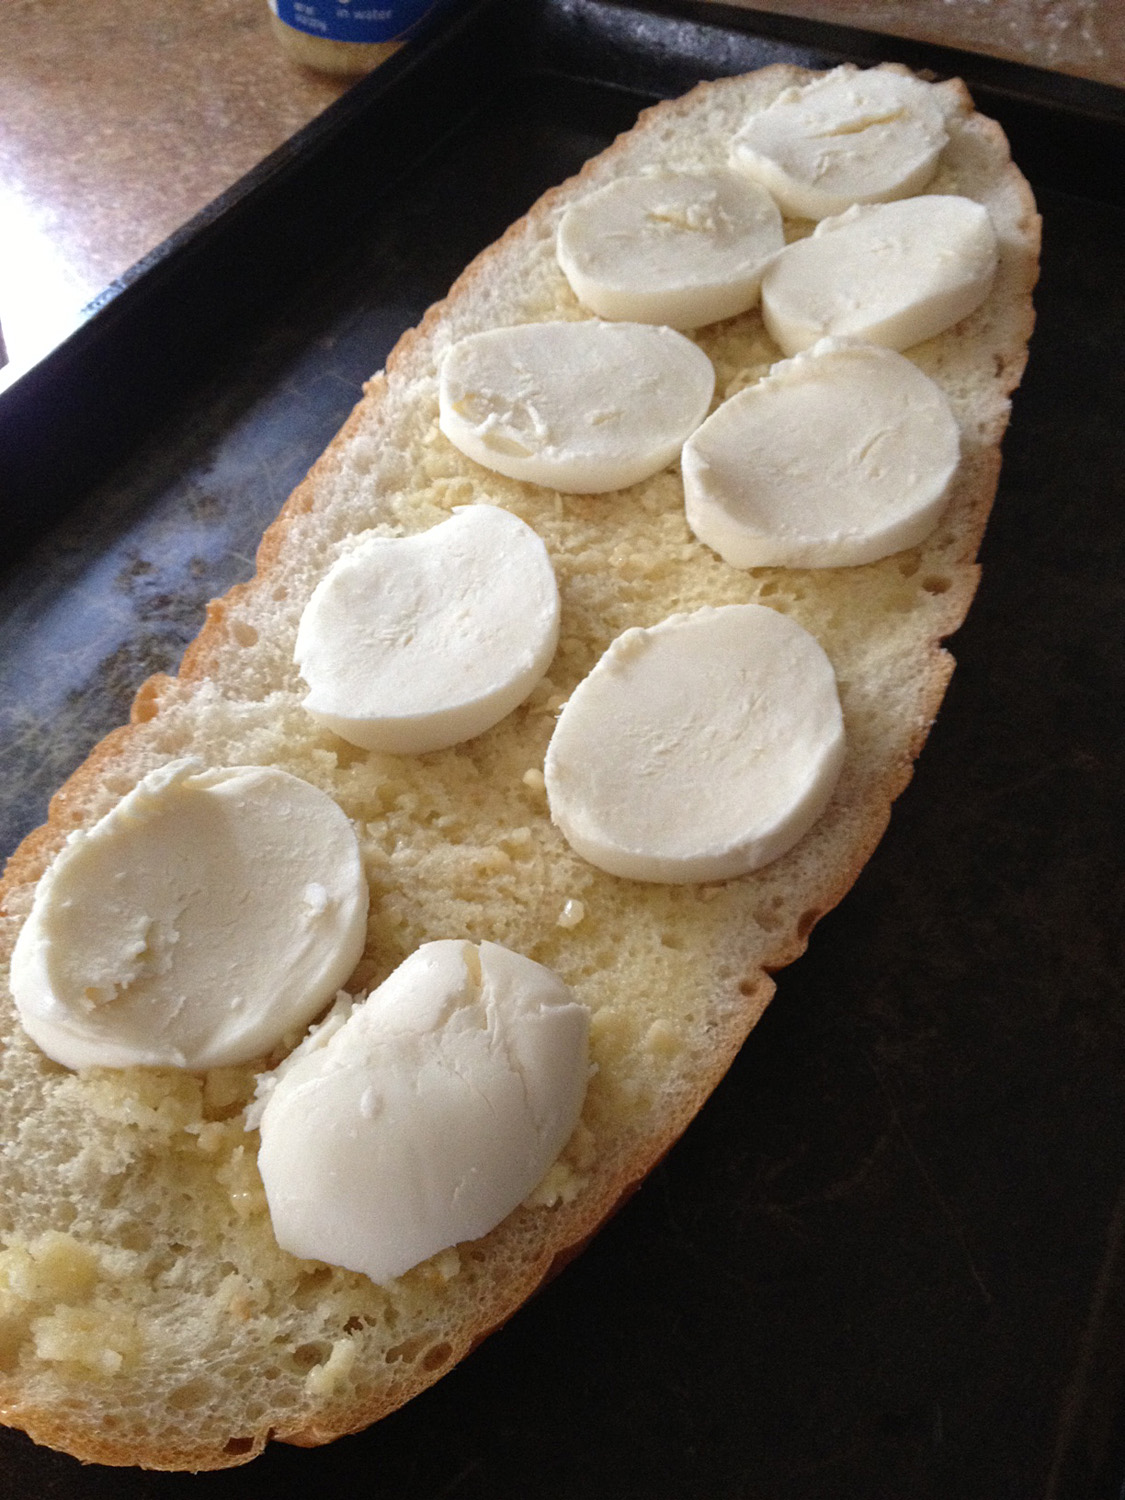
(345, 36)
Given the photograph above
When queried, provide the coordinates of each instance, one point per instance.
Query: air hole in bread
(195, 1393)
(934, 583)
(439, 1355)
(244, 634)
(768, 917)
(406, 1352)
(310, 1284)
(346, 755)
(901, 602)
(307, 1355)
(238, 1445)
(806, 922)
(136, 1236)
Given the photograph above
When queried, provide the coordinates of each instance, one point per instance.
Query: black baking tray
(886, 1260)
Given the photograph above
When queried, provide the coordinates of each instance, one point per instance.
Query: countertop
(120, 119)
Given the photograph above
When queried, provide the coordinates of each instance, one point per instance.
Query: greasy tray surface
(884, 1261)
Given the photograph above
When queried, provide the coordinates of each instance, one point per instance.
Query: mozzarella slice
(849, 137)
(411, 644)
(583, 407)
(429, 1114)
(893, 274)
(698, 749)
(839, 456)
(670, 248)
(209, 913)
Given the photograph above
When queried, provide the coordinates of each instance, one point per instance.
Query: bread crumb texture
(147, 1314)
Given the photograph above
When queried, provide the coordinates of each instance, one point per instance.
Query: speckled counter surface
(119, 120)
(1082, 37)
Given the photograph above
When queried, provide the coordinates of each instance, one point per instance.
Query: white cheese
(892, 274)
(849, 137)
(672, 248)
(428, 1114)
(699, 749)
(410, 644)
(582, 407)
(838, 457)
(209, 913)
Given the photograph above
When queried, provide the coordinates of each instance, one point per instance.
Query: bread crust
(907, 670)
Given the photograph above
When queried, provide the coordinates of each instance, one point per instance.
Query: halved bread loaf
(147, 1314)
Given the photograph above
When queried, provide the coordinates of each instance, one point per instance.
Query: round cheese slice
(672, 248)
(209, 913)
(411, 644)
(699, 749)
(850, 137)
(839, 456)
(892, 274)
(582, 407)
(427, 1114)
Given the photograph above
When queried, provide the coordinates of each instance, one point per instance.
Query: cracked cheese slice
(582, 407)
(673, 248)
(850, 137)
(425, 1115)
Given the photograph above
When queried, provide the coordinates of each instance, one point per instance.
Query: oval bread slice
(147, 1315)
